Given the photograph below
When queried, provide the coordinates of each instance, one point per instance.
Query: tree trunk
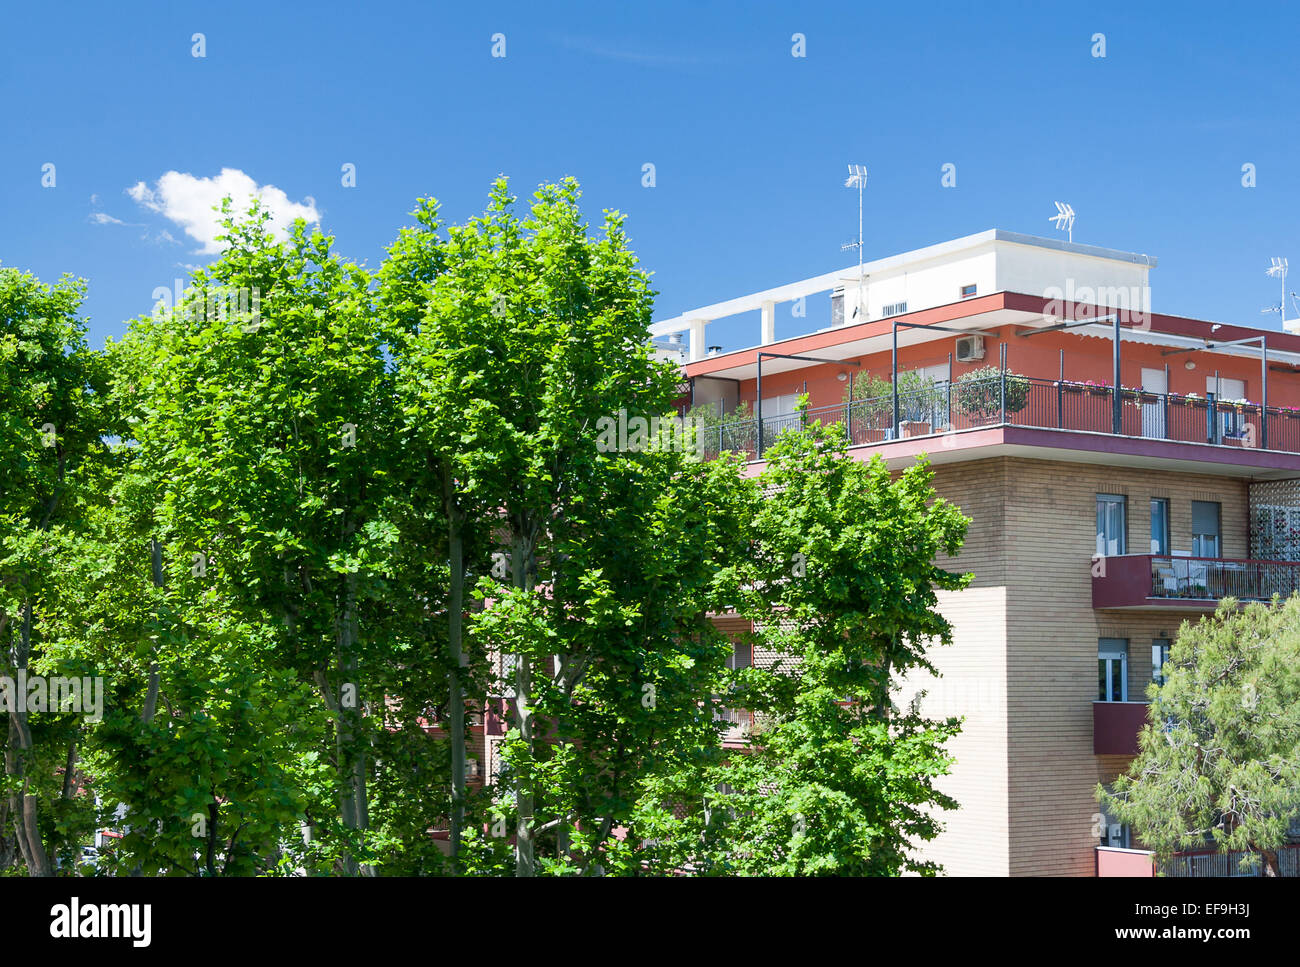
(349, 758)
(69, 768)
(354, 807)
(23, 805)
(455, 632)
(1268, 865)
(525, 845)
(210, 854)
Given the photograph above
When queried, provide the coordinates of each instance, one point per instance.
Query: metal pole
(950, 426)
(893, 365)
(1002, 383)
(1164, 420)
(1060, 393)
(861, 307)
(848, 414)
(1117, 403)
(1263, 409)
(758, 411)
(1214, 408)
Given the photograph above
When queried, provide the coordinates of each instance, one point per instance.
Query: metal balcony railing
(1009, 399)
(1226, 864)
(1216, 577)
(1146, 580)
(1136, 862)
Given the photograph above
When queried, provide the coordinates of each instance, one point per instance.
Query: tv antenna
(1064, 219)
(1278, 271)
(857, 179)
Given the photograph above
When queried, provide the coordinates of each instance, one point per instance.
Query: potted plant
(978, 393)
(717, 431)
(919, 398)
(870, 408)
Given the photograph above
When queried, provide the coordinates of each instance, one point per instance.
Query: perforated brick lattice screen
(1275, 520)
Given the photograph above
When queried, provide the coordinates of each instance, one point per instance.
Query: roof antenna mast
(1064, 219)
(857, 179)
(1278, 271)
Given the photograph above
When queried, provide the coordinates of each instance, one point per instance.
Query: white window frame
(1160, 648)
(1111, 650)
(1102, 545)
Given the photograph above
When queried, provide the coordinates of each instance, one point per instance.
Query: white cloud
(189, 201)
(99, 218)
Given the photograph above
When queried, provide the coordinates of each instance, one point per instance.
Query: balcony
(1134, 862)
(1115, 727)
(1187, 583)
(1011, 400)
(738, 725)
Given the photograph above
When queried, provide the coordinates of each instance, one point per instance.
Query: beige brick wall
(1052, 632)
(1026, 773)
(973, 678)
(972, 684)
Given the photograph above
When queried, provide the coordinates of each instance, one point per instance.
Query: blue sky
(749, 143)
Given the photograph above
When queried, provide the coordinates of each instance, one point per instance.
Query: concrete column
(769, 324)
(697, 338)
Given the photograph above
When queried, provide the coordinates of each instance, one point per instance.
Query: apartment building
(1123, 470)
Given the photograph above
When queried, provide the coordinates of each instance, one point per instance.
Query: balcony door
(1153, 413)
(1112, 669)
(1112, 521)
(1233, 390)
(779, 414)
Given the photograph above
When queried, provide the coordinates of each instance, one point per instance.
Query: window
(1159, 655)
(1226, 389)
(779, 405)
(967, 291)
(1112, 669)
(1205, 528)
(742, 655)
(893, 309)
(1231, 390)
(1159, 526)
(1111, 524)
(1113, 832)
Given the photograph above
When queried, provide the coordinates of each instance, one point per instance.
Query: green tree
(519, 336)
(1219, 760)
(445, 374)
(266, 423)
(206, 744)
(841, 588)
(49, 445)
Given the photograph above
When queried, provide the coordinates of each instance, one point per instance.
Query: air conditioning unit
(970, 348)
